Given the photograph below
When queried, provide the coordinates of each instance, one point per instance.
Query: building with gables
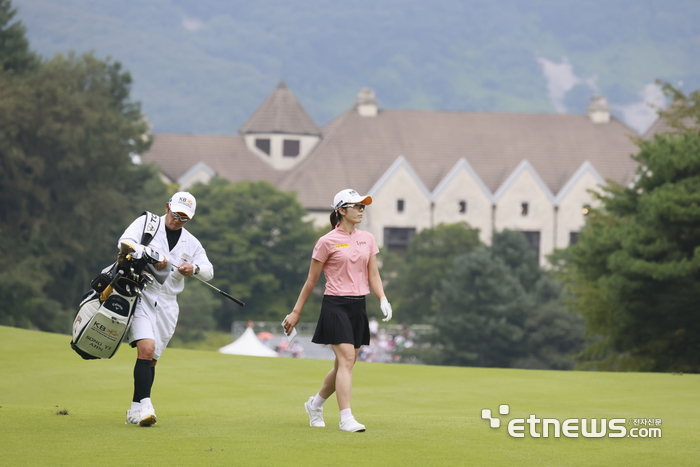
(493, 170)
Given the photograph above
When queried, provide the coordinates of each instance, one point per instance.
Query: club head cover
(125, 249)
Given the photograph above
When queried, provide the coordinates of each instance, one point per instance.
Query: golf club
(230, 297)
(220, 291)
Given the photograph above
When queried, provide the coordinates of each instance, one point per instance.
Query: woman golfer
(347, 256)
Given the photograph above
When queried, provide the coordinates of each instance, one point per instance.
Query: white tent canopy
(248, 344)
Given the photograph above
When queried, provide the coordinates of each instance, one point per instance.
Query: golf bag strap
(150, 228)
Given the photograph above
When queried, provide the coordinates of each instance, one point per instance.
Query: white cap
(350, 196)
(184, 202)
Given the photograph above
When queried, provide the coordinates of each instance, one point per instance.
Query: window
(396, 239)
(573, 238)
(291, 148)
(263, 145)
(533, 239)
(462, 207)
(585, 210)
(523, 209)
(399, 205)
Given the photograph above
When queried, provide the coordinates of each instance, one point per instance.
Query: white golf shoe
(133, 417)
(351, 425)
(315, 415)
(147, 417)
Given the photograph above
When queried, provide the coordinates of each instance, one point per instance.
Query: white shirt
(187, 250)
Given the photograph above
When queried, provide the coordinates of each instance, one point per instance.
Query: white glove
(386, 309)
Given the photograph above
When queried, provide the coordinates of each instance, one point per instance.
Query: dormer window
(281, 142)
(524, 209)
(290, 148)
(263, 145)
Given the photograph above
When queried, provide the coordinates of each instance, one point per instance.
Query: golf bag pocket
(100, 283)
(99, 327)
(117, 305)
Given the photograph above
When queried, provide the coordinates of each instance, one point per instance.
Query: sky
(561, 79)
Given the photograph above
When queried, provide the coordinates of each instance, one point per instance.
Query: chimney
(365, 103)
(599, 110)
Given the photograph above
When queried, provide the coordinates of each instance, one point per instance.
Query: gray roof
(357, 150)
(280, 113)
(227, 155)
(661, 126)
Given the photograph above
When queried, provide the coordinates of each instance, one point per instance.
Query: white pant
(155, 318)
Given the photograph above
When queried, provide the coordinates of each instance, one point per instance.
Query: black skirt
(343, 320)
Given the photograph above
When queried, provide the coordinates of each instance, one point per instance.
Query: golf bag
(105, 312)
(100, 325)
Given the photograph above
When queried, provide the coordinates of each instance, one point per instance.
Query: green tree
(481, 313)
(553, 335)
(411, 281)
(498, 308)
(259, 244)
(67, 130)
(683, 113)
(15, 56)
(635, 272)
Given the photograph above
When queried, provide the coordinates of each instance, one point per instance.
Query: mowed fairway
(218, 409)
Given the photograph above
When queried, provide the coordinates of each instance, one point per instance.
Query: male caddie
(156, 313)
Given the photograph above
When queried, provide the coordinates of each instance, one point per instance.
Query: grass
(213, 340)
(218, 409)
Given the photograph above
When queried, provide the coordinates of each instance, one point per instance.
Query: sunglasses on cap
(361, 207)
(180, 217)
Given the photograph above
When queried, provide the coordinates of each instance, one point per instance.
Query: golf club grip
(231, 298)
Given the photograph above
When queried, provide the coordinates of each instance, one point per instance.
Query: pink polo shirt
(346, 261)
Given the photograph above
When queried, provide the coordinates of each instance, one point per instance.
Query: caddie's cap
(350, 196)
(184, 202)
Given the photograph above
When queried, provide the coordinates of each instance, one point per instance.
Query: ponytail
(335, 218)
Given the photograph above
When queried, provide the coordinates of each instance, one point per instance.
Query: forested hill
(203, 66)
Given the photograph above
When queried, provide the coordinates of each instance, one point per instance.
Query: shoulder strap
(150, 227)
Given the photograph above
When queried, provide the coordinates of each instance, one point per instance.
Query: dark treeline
(490, 306)
(635, 273)
(67, 129)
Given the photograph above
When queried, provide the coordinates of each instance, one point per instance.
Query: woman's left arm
(375, 281)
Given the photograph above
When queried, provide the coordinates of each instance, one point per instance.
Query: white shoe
(147, 416)
(315, 415)
(351, 425)
(133, 417)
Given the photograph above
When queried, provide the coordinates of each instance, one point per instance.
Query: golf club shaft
(230, 297)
